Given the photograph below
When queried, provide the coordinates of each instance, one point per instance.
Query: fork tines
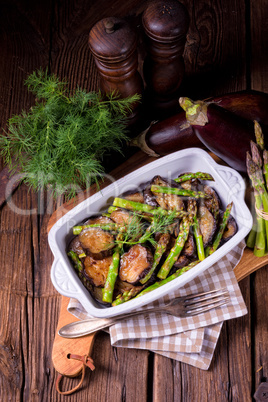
(202, 302)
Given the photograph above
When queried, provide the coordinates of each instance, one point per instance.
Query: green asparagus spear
(257, 237)
(198, 239)
(263, 160)
(78, 265)
(178, 191)
(108, 290)
(251, 239)
(259, 248)
(197, 175)
(178, 273)
(139, 214)
(256, 177)
(259, 135)
(176, 249)
(211, 249)
(265, 166)
(107, 226)
(140, 207)
(191, 209)
(159, 251)
(126, 296)
(257, 180)
(74, 257)
(256, 155)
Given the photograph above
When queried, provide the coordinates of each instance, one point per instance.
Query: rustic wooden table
(226, 51)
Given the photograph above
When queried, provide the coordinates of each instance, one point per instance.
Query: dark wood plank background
(226, 51)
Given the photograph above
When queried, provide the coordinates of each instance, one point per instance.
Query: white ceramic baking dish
(228, 183)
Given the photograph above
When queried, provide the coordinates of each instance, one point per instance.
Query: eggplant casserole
(148, 238)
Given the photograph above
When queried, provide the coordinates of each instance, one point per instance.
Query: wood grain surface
(226, 51)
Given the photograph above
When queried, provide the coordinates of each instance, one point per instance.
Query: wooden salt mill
(165, 24)
(113, 43)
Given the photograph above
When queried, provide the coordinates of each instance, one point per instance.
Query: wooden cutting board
(62, 347)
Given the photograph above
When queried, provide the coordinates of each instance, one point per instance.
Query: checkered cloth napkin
(190, 340)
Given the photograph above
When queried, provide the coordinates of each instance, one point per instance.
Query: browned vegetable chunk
(121, 216)
(181, 262)
(137, 197)
(121, 287)
(207, 224)
(96, 292)
(98, 220)
(76, 246)
(135, 264)
(230, 229)
(96, 240)
(167, 201)
(189, 248)
(162, 239)
(97, 270)
(213, 202)
(149, 197)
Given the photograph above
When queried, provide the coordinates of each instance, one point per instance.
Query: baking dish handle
(234, 181)
(237, 189)
(62, 281)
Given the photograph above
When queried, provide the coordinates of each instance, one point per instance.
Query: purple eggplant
(175, 133)
(224, 133)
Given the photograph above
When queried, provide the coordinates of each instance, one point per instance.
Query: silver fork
(180, 307)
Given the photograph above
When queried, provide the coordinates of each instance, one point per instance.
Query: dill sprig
(160, 224)
(132, 230)
(137, 231)
(61, 141)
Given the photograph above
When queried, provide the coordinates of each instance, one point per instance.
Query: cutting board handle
(70, 357)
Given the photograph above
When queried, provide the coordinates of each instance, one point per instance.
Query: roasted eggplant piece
(97, 294)
(167, 201)
(181, 262)
(76, 246)
(207, 224)
(122, 286)
(135, 264)
(121, 216)
(137, 197)
(96, 240)
(97, 270)
(212, 203)
(189, 249)
(230, 229)
(102, 220)
(149, 197)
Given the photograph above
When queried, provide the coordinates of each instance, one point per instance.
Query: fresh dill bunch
(136, 231)
(60, 141)
(132, 230)
(160, 224)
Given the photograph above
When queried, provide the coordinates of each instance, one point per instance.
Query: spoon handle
(84, 327)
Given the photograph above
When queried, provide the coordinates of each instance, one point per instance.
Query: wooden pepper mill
(165, 24)
(113, 43)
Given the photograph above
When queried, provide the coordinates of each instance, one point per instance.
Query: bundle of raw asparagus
(257, 168)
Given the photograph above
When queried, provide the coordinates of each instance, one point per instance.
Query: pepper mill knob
(165, 24)
(113, 43)
(109, 26)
